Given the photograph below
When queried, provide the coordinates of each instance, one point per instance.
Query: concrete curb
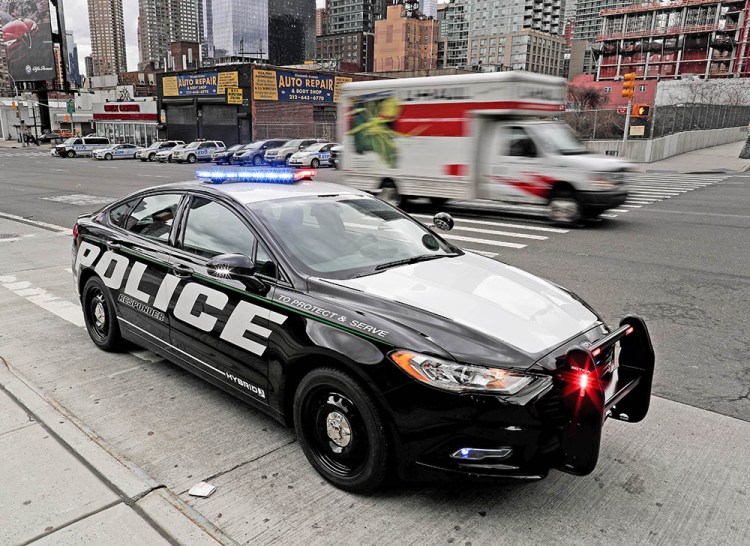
(176, 518)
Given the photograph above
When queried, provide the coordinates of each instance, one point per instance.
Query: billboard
(26, 33)
(281, 85)
(207, 83)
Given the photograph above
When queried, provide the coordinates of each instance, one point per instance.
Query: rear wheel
(341, 431)
(315, 163)
(99, 316)
(564, 208)
(390, 194)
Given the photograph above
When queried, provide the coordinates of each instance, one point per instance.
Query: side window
(118, 214)
(263, 263)
(212, 229)
(154, 215)
(521, 144)
(78, 141)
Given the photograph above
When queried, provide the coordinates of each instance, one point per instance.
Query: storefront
(131, 122)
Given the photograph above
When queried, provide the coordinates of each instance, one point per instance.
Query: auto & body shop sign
(207, 83)
(280, 85)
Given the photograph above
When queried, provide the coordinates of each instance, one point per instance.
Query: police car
(149, 154)
(313, 156)
(198, 150)
(80, 146)
(165, 156)
(385, 346)
(117, 151)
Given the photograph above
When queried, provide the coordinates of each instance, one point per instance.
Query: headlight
(602, 181)
(455, 377)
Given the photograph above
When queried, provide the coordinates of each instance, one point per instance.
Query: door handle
(113, 244)
(182, 271)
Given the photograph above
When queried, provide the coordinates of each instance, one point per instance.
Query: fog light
(475, 454)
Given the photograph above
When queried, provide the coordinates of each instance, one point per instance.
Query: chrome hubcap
(338, 429)
(563, 210)
(99, 315)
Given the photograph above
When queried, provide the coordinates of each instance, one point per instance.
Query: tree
(586, 98)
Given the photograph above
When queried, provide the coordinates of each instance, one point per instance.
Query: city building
(453, 47)
(161, 22)
(74, 73)
(701, 38)
(404, 42)
(428, 8)
(5, 82)
(106, 24)
(89, 64)
(522, 36)
(321, 22)
(282, 31)
(349, 23)
(588, 24)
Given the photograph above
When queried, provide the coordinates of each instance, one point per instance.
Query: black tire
(170, 159)
(99, 316)
(330, 402)
(191, 158)
(70, 153)
(257, 161)
(152, 156)
(286, 159)
(108, 157)
(315, 163)
(438, 201)
(564, 208)
(144, 160)
(390, 194)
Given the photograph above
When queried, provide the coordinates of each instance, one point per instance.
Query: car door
(511, 171)
(136, 265)
(220, 322)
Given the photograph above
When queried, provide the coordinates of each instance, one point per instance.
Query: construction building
(700, 38)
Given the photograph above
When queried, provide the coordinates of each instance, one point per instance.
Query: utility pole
(628, 88)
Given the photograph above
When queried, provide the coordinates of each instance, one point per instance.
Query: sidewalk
(724, 158)
(61, 487)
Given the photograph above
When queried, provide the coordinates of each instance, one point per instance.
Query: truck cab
(493, 136)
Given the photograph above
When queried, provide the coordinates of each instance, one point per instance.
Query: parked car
(80, 146)
(117, 151)
(52, 137)
(313, 156)
(227, 157)
(282, 154)
(254, 152)
(199, 150)
(149, 154)
(165, 156)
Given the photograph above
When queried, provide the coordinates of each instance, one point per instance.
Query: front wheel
(315, 163)
(564, 208)
(108, 157)
(257, 161)
(191, 158)
(152, 157)
(99, 316)
(71, 154)
(341, 431)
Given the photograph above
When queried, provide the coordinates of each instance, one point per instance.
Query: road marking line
(503, 233)
(632, 206)
(484, 241)
(40, 297)
(608, 215)
(619, 210)
(482, 253)
(701, 213)
(44, 225)
(152, 175)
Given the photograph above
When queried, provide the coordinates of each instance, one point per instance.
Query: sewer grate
(8, 235)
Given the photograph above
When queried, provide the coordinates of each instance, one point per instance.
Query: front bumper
(603, 200)
(551, 424)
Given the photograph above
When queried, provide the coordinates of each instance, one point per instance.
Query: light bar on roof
(258, 176)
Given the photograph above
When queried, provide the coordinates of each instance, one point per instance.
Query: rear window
(96, 140)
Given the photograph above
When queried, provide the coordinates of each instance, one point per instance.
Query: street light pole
(18, 109)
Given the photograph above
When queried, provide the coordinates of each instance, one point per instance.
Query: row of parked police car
(297, 152)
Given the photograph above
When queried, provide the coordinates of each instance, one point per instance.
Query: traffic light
(628, 85)
(13, 105)
(641, 110)
(67, 118)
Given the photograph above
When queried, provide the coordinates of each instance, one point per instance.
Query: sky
(77, 21)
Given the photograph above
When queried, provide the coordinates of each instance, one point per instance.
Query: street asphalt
(678, 254)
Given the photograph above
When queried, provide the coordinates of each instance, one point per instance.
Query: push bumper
(556, 423)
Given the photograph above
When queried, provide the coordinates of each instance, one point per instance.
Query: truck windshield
(341, 237)
(560, 139)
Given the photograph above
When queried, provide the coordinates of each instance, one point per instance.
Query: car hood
(593, 163)
(475, 308)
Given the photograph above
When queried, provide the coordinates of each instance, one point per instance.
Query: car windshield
(234, 148)
(315, 147)
(193, 145)
(155, 145)
(559, 138)
(341, 237)
(71, 140)
(293, 144)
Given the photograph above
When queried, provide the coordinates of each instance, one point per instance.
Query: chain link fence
(313, 129)
(666, 120)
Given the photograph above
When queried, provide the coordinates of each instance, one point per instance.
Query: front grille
(550, 408)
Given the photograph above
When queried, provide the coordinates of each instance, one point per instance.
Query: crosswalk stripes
(21, 153)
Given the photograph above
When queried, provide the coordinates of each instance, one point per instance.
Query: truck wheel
(341, 431)
(389, 193)
(564, 208)
(438, 201)
(71, 154)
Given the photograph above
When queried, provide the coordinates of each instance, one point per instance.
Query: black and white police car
(117, 151)
(385, 346)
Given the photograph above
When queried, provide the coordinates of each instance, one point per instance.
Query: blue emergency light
(258, 176)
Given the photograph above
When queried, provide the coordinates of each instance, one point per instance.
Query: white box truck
(490, 136)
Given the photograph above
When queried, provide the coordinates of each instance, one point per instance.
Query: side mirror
(234, 266)
(443, 221)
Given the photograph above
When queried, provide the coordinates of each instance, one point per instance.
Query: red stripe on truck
(453, 118)
(455, 170)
